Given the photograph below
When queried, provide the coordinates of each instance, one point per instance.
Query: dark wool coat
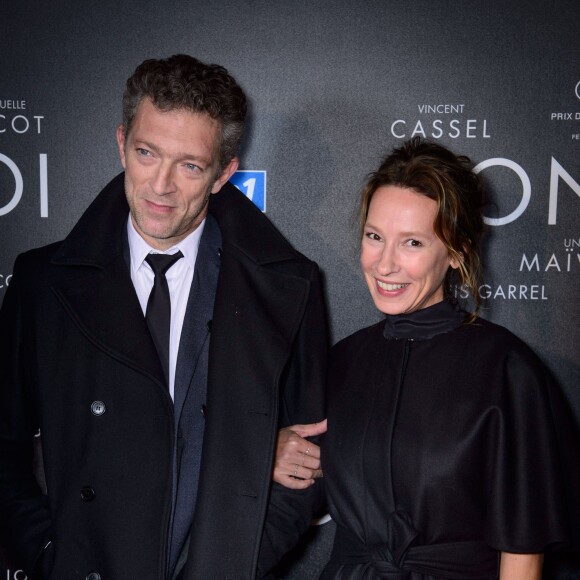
(73, 335)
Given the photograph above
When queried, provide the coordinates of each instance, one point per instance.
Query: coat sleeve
(302, 401)
(302, 397)
(290, 513)
(24, 514)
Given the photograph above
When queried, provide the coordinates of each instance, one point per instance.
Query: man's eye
(142, 152)
(192, 167)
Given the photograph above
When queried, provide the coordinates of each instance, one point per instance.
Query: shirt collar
(139, 248)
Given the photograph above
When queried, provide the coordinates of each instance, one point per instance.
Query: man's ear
(121, 143)
(228, 171)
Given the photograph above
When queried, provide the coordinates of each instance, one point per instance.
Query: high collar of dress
(425, 323)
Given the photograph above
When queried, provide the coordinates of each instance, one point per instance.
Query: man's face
(171, 168)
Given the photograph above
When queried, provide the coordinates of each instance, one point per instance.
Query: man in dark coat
(158, 450)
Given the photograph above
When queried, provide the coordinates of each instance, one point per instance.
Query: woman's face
(403, 260)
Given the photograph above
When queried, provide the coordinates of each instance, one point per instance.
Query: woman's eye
(413, 243)
(372, 236)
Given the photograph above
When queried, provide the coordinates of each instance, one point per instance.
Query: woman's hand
(297, 462)
(520, 566)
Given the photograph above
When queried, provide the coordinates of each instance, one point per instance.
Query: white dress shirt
(179, 278)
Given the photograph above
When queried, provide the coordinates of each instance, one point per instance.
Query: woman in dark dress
(439, 458)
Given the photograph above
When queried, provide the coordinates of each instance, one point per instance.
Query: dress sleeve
(526, 507)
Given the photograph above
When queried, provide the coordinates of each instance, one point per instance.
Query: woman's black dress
(440, 450)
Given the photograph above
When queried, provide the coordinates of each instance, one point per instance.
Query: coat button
(98, 408)
(88, 494)
(93, 576)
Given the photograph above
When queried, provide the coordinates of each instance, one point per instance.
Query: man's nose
(162, 182)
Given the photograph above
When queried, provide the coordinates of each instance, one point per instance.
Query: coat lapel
(94, 284)
(105, 308)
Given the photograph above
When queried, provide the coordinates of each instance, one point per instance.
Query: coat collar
(234, 212)
(97, 238)
(97, 291)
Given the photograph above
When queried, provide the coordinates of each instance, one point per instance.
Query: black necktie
(158, 313)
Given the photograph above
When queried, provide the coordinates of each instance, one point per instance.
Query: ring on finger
(307, 450)
(296, 467)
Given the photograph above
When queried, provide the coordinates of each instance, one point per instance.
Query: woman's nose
(387, 261)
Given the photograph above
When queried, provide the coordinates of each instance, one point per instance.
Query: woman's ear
(455, 259)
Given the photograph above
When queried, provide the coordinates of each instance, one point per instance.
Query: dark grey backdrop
(334, 85)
